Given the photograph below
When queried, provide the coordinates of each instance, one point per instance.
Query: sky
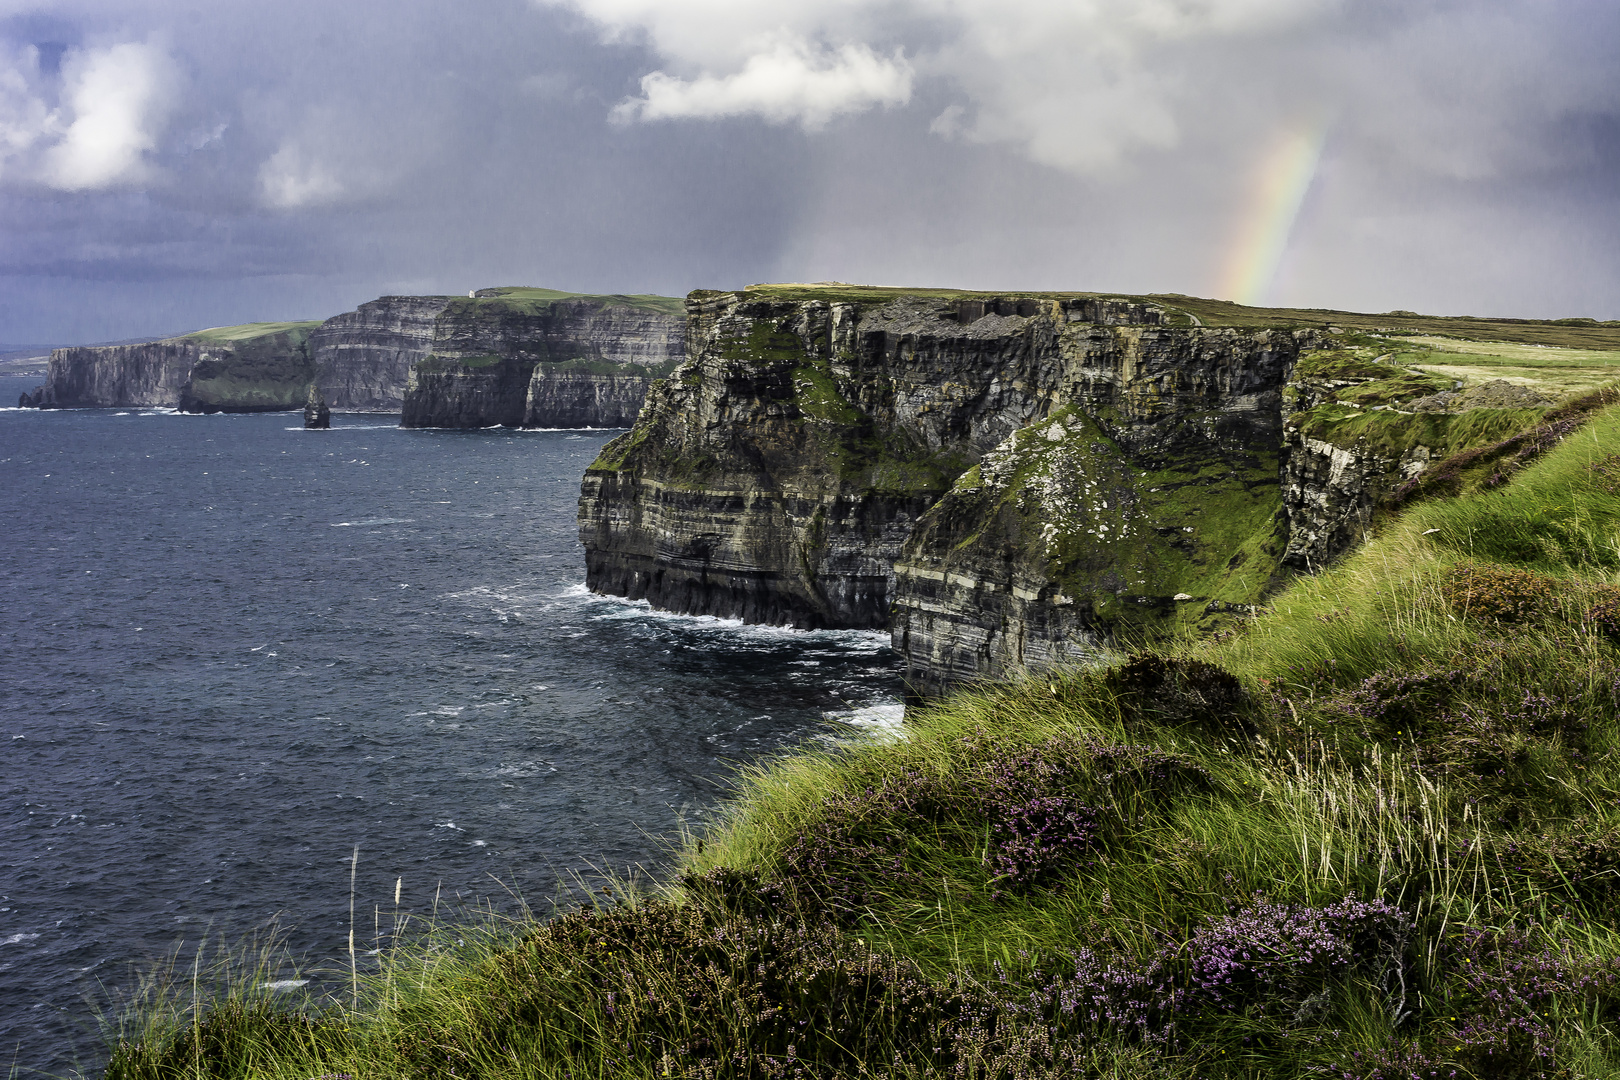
(167, 165)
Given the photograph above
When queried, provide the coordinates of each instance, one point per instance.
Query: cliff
(1005, 482)
(257, 367)
(514, 356)
(540, 358)
(363, 357)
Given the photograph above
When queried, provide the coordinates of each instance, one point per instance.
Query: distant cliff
(259, 367)
(521, 357)
(363, 357)
(540, 358)
(1005, 482)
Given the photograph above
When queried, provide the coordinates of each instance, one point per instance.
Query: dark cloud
(167, 165)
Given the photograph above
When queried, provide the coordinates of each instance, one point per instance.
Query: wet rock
(317, 416)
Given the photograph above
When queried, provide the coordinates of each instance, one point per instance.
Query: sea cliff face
(1146, 496)
(363, 357)
(1005, 482)
(259, 367)
(513, 356)
(779, 473)
(536, 358)
(117, 375)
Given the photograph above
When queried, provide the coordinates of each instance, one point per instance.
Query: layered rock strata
(261, 367)
(148, 375)
(1354, 431)
(363, 357)
(786, 472)
(1005, 483)
(317, 415)
(513, 356)
(529, 358)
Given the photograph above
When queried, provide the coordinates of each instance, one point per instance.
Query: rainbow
(1280, 184)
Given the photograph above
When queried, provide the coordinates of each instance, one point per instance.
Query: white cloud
(115, 101)
(1089, 85)
(25, 119)
(789, 82)
(291, 178)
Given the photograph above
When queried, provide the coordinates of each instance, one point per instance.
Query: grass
(1373, 833)
(1576, 333)
(529, 298)
(251, 331)
(1554, 371)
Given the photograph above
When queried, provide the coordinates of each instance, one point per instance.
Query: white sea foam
(17, 939)
(885, 720)
(525, 769)
(642, 610)
(372, 521)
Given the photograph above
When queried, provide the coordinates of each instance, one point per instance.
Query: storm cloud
(168, 165)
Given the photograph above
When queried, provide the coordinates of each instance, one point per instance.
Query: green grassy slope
(1374, 833)
(516, 295)
(249, 331)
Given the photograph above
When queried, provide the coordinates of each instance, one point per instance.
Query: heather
(1371, 833)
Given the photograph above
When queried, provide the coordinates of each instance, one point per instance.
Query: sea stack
(316, 415)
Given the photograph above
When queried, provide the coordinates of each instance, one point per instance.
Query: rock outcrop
(536, 358)
(1004, 482)
(1356, 428)
(149, 375)
(317, 415)
(782, 473)
(259, 367)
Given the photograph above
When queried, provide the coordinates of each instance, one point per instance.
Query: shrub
(1603, 616)
(1501, 593)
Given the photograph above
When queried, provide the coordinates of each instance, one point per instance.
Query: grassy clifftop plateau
(521, 296)
(1576, 333)
(1373, 833)
(298, 331)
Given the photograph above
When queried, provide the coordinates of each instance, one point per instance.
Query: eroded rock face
(1147, 496)
(1005, 483)
(784, 471)
(582, 399)
(1347, 447)
(317, 415)
(265, 373)
(363, 357)
(122, 376)
(502, 357)
(520, 357)
(212, 371)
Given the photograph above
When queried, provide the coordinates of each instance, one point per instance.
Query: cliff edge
(524, 357)
(1007, 482)
(256, 367)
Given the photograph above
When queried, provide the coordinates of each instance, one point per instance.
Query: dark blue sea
(232, 651)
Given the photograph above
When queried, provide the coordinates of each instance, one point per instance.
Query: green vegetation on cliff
(1372, 833)
(1575, 333)
(297, 332)
(532, 300)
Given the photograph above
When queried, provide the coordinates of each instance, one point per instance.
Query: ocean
(232, 651)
